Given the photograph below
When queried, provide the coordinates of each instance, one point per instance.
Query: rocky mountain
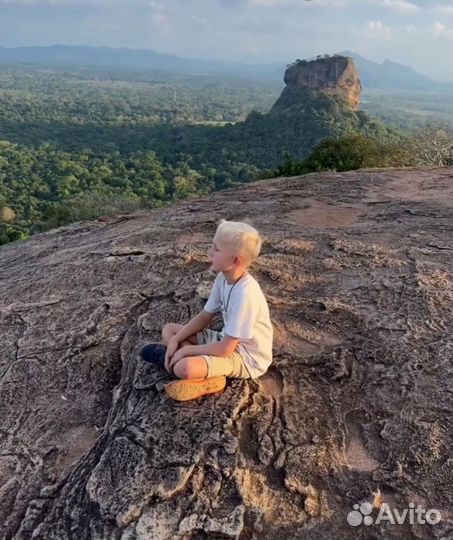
(356, 407)
(320, 101)
(335, 76)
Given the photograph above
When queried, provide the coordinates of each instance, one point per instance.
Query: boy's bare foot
(187, 389)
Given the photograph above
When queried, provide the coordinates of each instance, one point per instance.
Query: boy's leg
(169, 331)
(195, 367)
(194, 381)
(191, 367)
(203, 337)
(204, 374)
(155, 352)
(172, 329)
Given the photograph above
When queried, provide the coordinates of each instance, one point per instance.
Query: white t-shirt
(246, 318)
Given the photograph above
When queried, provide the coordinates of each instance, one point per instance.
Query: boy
(202, 358)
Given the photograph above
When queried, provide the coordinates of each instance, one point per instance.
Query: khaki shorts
(230, 366)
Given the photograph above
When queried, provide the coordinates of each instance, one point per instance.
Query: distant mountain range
(82, 56)
(386, 76)
(393, 76)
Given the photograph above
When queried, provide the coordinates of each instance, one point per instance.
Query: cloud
(160, 20)
(333, 3)
(311, 3)
(69, 3)
(157, 6)
(440, 30)
(265, 26)
(377, 29)
(445, 9)
(252, 49)
(400, 6)
(200, 20)
(35, 2)
(268, 3)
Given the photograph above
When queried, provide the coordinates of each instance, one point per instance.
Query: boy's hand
(180, 353)
(172, 346)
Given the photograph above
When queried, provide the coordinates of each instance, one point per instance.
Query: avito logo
(413, 514)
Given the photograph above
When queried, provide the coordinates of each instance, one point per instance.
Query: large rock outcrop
(335, 76)
(356, 407)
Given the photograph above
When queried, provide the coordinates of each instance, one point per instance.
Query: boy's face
(221, 257)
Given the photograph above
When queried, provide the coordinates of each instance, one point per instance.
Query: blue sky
(414, 32)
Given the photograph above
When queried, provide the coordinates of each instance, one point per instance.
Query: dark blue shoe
(154, 353)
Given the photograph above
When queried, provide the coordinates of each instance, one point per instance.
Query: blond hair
(241, 237)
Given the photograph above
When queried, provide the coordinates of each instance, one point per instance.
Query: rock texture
(336, 76)
(357, 405)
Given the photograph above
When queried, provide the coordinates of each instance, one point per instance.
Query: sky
(418, 33)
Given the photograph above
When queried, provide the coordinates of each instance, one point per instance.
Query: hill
(356, 407)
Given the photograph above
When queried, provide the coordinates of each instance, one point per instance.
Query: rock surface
(356, 407)
(336, 76)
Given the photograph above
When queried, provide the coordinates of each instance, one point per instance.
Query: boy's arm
(220, 348)
(195, 324)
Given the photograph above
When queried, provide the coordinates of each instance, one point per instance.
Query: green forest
(75, 145)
